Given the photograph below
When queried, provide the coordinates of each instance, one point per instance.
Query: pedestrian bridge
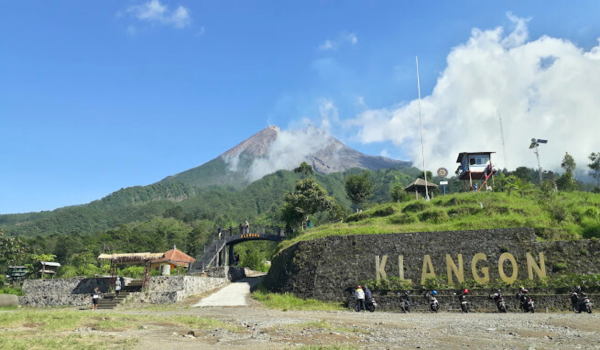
(219, 252)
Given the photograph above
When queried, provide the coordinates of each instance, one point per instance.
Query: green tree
(429, 175)
(359, 188)
(566, 182)
(305, 169)
(398, 194)
(595, 167)
(307, 199)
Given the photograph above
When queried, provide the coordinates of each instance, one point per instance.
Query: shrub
(591, 231)
(435, 216)
(404, 219)
(456, 201)
(383, 212)
(416, 207)
(357, 217)
(464, 211)
(559, 266)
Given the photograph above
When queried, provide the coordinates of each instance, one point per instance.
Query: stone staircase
(110, 300)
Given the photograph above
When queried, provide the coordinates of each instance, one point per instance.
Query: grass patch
(568, 216)
(288, 301)
(327, 347)
(43, 341)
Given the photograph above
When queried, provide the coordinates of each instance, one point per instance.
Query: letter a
(531, 266)
(458, 271)
(380, 268)
(427, 266)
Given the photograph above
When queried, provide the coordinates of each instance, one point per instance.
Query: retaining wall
(76, 291)
(330, 268)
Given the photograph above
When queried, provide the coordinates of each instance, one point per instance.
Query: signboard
(442, 172)
(443, 182)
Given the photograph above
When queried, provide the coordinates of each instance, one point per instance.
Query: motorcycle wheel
(371, 308)
(503, 310)
(532, 311)
(589, 309)
(576, 309)
(407, 310)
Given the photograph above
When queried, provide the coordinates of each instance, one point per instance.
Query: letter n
(532, 266)
(380, 268)
(458, 271)
(427, 266)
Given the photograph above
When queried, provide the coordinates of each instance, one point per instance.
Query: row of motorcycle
(579, 300)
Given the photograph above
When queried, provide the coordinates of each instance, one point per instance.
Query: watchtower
(475, 167)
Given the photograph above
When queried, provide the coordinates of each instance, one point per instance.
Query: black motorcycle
(371, 305)
(581, 303)
(526, 303)
(405, 303)
(500, 303)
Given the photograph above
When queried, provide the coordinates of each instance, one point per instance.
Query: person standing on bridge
(230, 230)
(219, 232)
(247, 227)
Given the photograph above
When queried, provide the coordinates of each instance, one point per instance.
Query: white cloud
(291, 148)
(329, 114)
(544, 88)
(155, 12)
(334, 44)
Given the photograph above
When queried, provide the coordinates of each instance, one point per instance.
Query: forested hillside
(221, 205)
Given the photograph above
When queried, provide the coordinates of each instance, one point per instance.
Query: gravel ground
(254, 327)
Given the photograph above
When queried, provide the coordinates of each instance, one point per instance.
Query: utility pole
(421, 129)
(503, 144)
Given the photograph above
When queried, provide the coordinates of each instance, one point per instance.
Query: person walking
(117, 286)
(359, 294)
(219, 232)
(247, 226)
(241, 229)
(230, 230)
(95, 298)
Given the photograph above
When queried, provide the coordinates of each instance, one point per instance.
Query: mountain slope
(271, 149)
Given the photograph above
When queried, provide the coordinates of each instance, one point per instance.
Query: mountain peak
(256, 145)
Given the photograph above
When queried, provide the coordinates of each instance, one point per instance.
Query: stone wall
(61, 292)
(173, 289)
(330, 268)
(76, 291)
(232, 273)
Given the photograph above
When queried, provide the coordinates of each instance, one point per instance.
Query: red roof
(176, 257)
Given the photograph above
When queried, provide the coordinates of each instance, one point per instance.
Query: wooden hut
(476, 168)
(418, 187)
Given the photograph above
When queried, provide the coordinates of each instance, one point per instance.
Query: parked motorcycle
(405, 302)
(434, 305)
(526, 303)
(371, 305)
(499, 300)
(581, 303)
(462, 298)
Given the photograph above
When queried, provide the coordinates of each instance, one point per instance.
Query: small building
(48, 268)
(418, 187)
(16, 273)
(174, 258)
(475, 167)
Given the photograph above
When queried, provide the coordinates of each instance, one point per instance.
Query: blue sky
(100, 95)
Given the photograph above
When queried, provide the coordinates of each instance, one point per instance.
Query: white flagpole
(421, 129)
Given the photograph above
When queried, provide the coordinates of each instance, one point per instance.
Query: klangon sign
(456, 268)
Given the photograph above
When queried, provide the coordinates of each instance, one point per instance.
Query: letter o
(515, 268)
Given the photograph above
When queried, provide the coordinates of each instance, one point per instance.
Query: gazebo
(131, 259)
(418, 186)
